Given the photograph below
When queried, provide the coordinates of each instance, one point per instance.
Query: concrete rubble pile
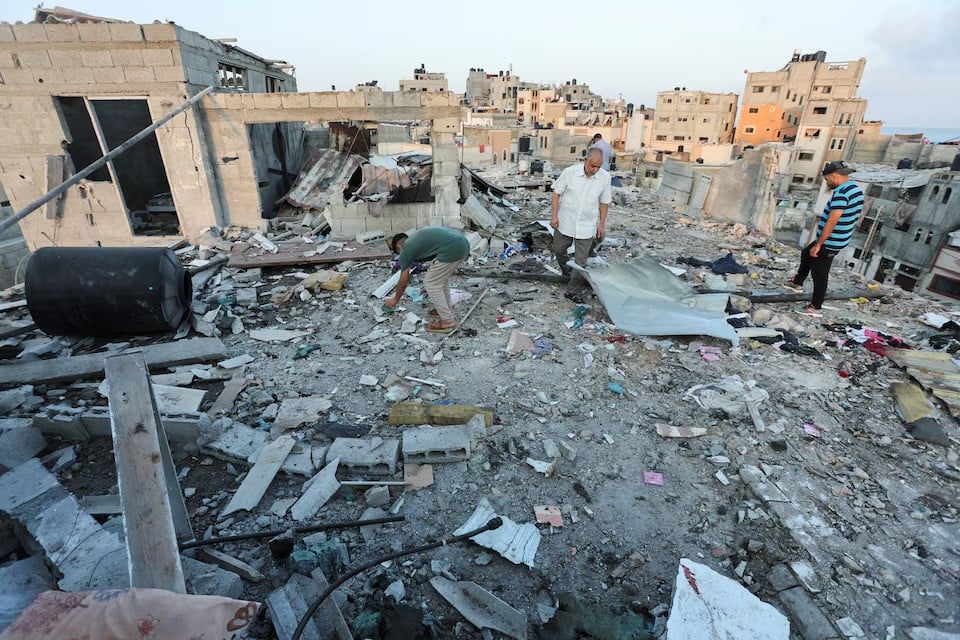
(791, 477)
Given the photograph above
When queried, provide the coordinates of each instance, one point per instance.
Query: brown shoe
(438, 327)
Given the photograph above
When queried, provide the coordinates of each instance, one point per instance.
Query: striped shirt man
(847, 197)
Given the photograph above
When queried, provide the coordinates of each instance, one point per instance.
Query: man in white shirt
(581, 197)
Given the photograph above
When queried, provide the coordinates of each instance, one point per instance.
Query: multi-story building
(810, 102)
(575, 93)
(687, 122)
(425, 81)
(531, 104)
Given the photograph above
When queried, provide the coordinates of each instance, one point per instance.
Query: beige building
(688, 122)
(775, 102)
(70, 92)
(575, 93)
(370, 87)
(824, 135)
(425, 81)
(531, 103)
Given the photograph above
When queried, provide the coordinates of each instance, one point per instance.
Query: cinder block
(374, 457)
(94, 32)
(109, 75)
(33, 58)
(67, 427)
(125, 32)
(267, 101)
(6, 32)
(428, 445)
(30, 33)
(168, 74)
(295, 100)
(157, 57)
(323, 100)
(48, 76)
(160, 32)
(378, 99)
(808, 619)
(62, 33)
(350, 99)
(127, 57)
(139, 75)
(61, 58)
(18, 76)
(98, 58)
(79, 75)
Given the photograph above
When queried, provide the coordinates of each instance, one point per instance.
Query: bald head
(593, 161)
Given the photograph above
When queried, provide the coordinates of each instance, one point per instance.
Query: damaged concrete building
(71, 92)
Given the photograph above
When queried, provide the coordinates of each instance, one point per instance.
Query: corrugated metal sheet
(326, 172)
(935, 371)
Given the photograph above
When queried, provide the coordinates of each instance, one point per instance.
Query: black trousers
(818, 268)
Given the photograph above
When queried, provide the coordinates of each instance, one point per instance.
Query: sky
(621, 49)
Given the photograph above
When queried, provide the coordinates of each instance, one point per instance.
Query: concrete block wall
(347, 220)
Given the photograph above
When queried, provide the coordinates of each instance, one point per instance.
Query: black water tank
(905, 163)
(99, 291)
(955, 165)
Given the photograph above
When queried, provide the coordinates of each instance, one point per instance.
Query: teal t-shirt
(434, 243)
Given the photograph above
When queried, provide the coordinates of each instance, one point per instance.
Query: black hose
(276, 532)
(494, 523)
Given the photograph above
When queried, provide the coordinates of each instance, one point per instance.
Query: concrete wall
(922, 155)
(227, 116)
(161, 63)
(347, 220)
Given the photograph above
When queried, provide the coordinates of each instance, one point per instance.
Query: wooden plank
(436, 414)
(244, 256)
(261, 475)
(228, 396)
(166, 354)
(178, 508)
(154, 555)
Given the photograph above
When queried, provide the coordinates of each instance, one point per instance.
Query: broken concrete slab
(375, 456)
(295, 412)
(258, 480)
(517, 543)
(67, 427)
(237, 443)
(762, 487)
(433, 445)
(481, 608)
(210, 580)
(276, 335)
(670, 431)
(926, 633)
(809, 620)
(231, 564)
(709, 605)
(317, 491)
(289, 604)
(19, 444)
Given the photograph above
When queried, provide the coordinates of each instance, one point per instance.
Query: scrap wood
(260, 476)
(162, 355)
(415, 413)
(145, 490)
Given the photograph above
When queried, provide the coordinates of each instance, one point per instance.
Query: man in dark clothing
(837, 224)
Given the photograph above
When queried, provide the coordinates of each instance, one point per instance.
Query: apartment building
(688, 123)
(425, 81)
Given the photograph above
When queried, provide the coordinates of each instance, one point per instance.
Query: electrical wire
(493, 523)
(276, 532)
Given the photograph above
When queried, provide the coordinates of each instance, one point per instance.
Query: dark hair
(393, 240)
(597, 135)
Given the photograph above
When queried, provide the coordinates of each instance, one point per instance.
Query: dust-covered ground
(871, 510)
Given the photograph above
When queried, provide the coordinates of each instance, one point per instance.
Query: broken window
(661, 138)
(801, 100)
(805, 155)
(916, 237)
(929, 237)
(140, 172)
(934, 192)
(83, 146)
(826, 89)
(704, 140)
(797, 179)
(706, 120)
(758, 89)
(812, 133)
(664, 119)
(573, 149)
(274, 85)
(820, 110)
(231, 77)
(947, 194)
(840, 143)
(945, 286)
(753, 110)
(681, 138)
(98, 125)
(749, 130)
